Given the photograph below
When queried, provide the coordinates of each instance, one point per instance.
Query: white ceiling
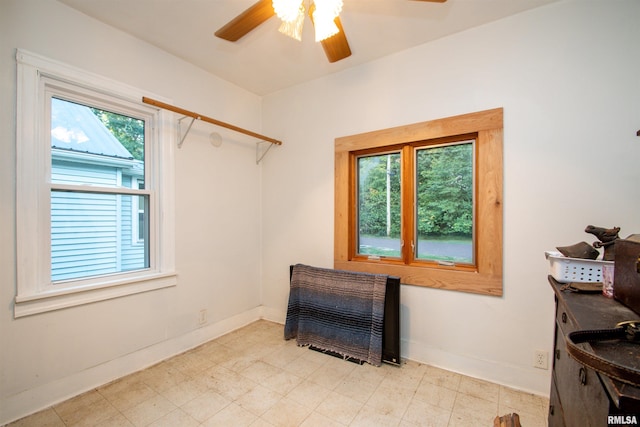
(266, 61)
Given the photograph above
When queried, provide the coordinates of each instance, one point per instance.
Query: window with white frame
(94, 179)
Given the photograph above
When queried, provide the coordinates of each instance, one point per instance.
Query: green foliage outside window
(128, 130)
(373, 204)
(444, 193)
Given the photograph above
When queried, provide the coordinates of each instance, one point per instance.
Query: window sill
(27, 305)
(440, 278)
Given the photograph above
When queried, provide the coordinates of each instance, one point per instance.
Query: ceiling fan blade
(242, 24)
(336, 47)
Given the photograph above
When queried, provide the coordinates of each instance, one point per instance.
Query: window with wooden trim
(423, 202)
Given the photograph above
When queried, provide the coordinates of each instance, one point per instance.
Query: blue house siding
(84, 235)
(66, 172)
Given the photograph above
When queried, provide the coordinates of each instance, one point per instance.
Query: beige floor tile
(228, 383)
(283, 382)
(231, 415)
(286, 413)
(412, 368)
(373, 374)
(308, 394)
(467, 420)
(421, 413)
(282, 356)
(259, 371)
(479, 388)
(442, 378)
(468, 408)
(162, 376)
(356, 388)
(303, 366)
(215, 352)
(404, 377)
(240, 362)
(261, 423)
(259, 400)
(339, 408)
(127, 393)
(175, 418)
(192, 362)
(332, 372)
(45, 418)
(117, 420)
(319, 420)
(185, 391)
(149, 411)
(368, 417)
(85, 410)
(523, 402)
(231, 336)
(78, 403)
(206, 405)
(436, 395)
(390, 400)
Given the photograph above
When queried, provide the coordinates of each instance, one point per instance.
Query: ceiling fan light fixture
(325, 27)
(293, 28)
(292, 14)
(329, 7)
(324, 14)
(287, 10)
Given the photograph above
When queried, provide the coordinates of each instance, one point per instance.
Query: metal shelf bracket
(261, 153)
(184, 136)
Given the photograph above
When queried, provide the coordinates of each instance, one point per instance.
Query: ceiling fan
(334, 42)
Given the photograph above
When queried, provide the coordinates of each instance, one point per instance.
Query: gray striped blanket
(339, 311)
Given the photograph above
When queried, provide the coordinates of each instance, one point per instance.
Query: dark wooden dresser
(579, 396)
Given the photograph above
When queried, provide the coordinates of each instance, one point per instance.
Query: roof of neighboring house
(74, 127)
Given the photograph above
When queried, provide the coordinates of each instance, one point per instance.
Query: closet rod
(208, 119)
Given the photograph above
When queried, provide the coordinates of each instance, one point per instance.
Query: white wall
(48, 357)
(567, 77)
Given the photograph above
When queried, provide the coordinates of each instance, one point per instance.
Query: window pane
(94, 147)
(379, 205)
(91, 234)
(444, 210)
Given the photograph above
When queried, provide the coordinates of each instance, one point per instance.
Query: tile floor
(252, 377)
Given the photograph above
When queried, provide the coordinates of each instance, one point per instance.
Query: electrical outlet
(541, 359)
(202, 317)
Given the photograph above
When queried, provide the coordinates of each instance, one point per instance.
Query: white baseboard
(530, 380)
(273, 315)
(38, 398)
